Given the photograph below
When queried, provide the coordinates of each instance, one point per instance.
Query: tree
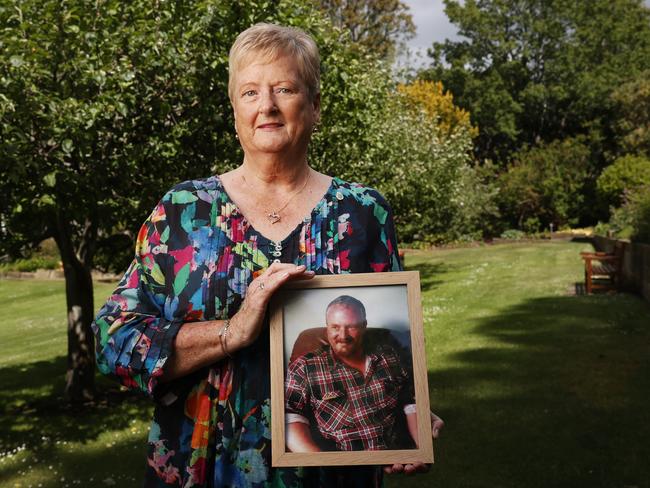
(104, 105)
(370, 133)
(533, 71)
(627, 174)
(547, 184)
(375, 26)
(438, 104)
(632, 102)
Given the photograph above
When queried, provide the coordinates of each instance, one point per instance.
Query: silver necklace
(274, 215)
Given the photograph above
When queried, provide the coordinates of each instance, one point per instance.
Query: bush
(546, 185)
(31, 264)
(626, 174)
(632, 219)
(438, 104)
(370, 133)
(43, 256)
(641, 220)
(513, 234)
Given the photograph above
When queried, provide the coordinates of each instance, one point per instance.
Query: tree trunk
(80, 376)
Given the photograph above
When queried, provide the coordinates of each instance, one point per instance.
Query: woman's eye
(284, 90)
(249, 93)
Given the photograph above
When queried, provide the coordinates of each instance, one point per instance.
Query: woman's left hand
(249, 319)
(436, 426)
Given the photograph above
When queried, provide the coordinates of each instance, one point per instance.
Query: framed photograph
(348, 371)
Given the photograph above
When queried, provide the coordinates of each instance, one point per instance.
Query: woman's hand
(246, 324)
(436, 426)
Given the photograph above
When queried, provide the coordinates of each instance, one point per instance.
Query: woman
(187, 322)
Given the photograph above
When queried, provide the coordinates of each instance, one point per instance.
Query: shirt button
(339, 195)
(276, 260)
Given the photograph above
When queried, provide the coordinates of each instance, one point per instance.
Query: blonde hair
(270, 41)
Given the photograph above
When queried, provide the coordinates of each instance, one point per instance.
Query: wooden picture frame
(393, 300)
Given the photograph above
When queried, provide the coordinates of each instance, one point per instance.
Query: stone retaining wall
(636, 263)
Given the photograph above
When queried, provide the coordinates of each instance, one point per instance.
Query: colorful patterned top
(357, 411)
(195, 257)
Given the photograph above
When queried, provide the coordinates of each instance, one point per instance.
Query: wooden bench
(603, 270)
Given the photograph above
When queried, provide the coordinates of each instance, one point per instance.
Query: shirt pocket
(330, 407)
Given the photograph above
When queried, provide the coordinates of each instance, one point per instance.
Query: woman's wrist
(223, 337)
(237, 336)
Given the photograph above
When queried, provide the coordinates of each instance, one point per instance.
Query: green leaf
(46, 200)
(67, 146)
(180, 282)
(16, 61)
(50, 179)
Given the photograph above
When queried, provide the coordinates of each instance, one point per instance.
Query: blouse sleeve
(136, 327)
(383, 253)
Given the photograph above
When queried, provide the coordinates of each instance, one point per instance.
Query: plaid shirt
(357, 412)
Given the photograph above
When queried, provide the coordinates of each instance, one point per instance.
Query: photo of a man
(353, 392)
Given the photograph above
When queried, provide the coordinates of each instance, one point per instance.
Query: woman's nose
(267, 103)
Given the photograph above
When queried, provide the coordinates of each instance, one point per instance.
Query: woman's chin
(271, 144)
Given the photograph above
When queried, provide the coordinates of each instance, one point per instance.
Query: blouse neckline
(324, 200)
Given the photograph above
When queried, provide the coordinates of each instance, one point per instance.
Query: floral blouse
(195, 257)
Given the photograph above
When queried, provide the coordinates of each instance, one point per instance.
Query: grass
(42, 442)
(538, 387)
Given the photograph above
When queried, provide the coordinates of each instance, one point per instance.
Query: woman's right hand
(246, 324)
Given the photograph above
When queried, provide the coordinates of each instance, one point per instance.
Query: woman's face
(273, 110)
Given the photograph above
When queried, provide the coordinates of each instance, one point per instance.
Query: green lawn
(42, 443)
(539, 388)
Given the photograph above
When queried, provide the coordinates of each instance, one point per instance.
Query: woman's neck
(274, 171)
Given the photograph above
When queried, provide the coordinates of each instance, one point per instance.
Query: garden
(538, 386)
(530, 127)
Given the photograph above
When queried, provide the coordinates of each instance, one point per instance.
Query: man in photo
(346, 395)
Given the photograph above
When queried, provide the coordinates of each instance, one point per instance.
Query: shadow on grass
(431, 274)
(556, 395)
(34, 418)
(32, 406)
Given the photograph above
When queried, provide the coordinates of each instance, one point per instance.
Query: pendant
(273, 217)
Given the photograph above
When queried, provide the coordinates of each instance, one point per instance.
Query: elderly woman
(187, 322)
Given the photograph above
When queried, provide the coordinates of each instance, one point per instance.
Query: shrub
(438, 104)
(641, 220)
(31, 264)
(513, 234)
(632, 219)
(546, 184)
(370, 133)
(627, 173)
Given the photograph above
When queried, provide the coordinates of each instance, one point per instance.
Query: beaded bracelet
(223, 338)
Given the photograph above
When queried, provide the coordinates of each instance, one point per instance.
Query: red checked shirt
(357, 412)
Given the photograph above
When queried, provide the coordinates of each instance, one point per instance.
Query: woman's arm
(198, 344)
(141, 331)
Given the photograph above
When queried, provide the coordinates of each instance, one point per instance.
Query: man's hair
(268, 42)
(350, 302)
